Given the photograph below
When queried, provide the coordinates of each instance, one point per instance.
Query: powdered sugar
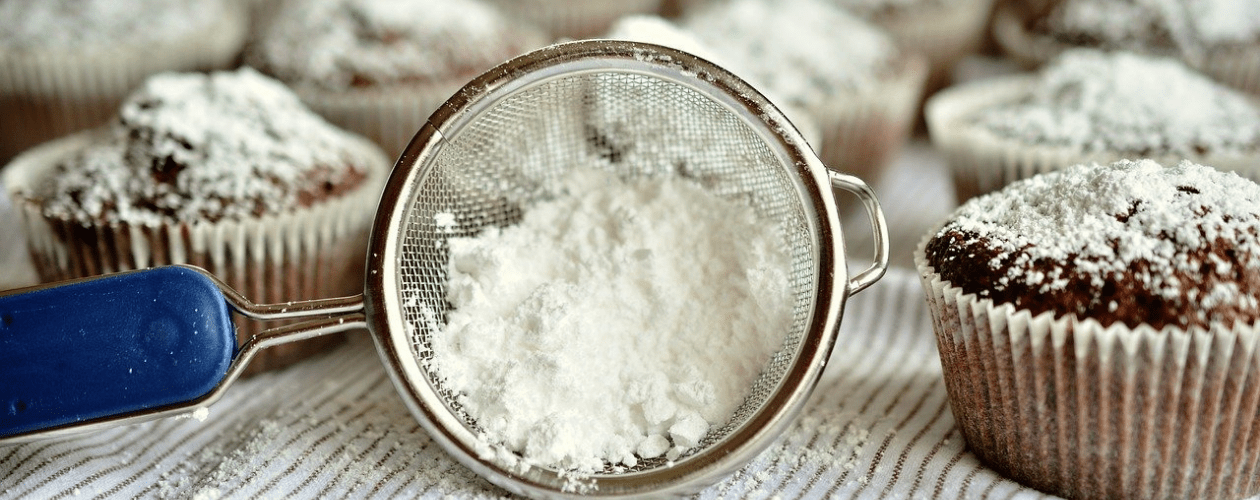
(799, 50)
(86, 24)
(657, 30)
(618, 322)
(1105, 219)
(1124, 102)
(1186, 26)
(866, 7)
(339, 44)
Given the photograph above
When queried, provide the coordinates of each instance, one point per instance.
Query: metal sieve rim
(383, 305)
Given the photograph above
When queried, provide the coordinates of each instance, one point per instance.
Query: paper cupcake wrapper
(316, 252)
(47, 94)
(1236, 66)
(577, 19)
(1082, 411)
(389, 117)
(862, 132)
(982, 162)
(944, 32)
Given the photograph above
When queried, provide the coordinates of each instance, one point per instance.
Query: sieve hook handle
(128, 347)
(864, 193)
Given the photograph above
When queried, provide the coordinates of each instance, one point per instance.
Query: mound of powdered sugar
(1099, 101)
(194, 146)
(1179, 245)
(620, 321)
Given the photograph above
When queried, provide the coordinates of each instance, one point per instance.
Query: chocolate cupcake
(1221, 38)
(66, 65)
(1089, 106)
(861, 91)
(1098, 329)
(226, 171)
(380, 67)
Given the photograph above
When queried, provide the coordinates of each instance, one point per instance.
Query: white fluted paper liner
(390, 117)
(863, 131)
(1082, 411)
(1237, 66)
(944, 32)
(981, 161)
(576, 19)
(51, 93)
(314, 252)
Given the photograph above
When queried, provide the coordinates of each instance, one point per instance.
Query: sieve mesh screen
(513, 154)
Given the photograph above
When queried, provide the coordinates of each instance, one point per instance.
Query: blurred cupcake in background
(575, 19)
(227, 171)
(66, 65)
(381, 67)
(1221, 38)
(1091, 106)
(860, 89)
(944, 31)
(660, 31)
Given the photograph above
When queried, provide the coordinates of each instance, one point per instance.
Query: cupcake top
(1132, 242)
(660, 31)
(1096, 101)
(1184, 26)
(344, 44)
(880, 7)
(194, 147)
(77, 24)
(803, 51)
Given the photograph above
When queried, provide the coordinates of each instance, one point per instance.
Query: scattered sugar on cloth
(619, 321)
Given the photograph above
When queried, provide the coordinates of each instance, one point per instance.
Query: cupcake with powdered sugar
(860, 89)
(1090, 106)
(226, 171)
(575, 19)
(660, 31)
(381, 67)
(65, 65)
(1221, 38)
(1099, 329)
(944, 31)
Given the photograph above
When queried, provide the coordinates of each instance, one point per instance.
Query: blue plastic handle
(110, 346)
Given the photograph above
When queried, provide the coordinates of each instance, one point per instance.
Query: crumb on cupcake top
(1124, 102)
(344, 44)
(1132, 242)
(193, 147)
(83, 24)
(1182, 26)
(801, 50)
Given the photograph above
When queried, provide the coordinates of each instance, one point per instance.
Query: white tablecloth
(878, 424)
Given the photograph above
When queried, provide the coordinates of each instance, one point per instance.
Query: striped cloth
(878, 424)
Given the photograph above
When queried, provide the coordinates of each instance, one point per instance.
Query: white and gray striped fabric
(878, 425)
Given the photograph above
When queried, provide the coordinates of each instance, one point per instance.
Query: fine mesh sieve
(486, 156)
(505, 142)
